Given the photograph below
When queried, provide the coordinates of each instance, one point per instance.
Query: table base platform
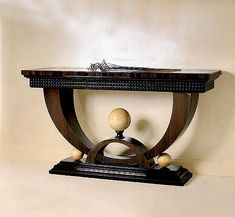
(171, 175)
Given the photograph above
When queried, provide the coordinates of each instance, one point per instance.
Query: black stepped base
(172, 175)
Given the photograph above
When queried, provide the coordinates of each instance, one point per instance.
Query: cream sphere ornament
(164, 160)
(119, 119)
(76, 154)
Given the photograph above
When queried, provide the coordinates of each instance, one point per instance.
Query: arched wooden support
(137, 147)
(61, 109)
(184, 107)
(60, 104)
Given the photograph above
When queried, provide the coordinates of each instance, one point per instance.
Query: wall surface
(175, 34)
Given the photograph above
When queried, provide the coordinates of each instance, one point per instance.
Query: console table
(59, 84)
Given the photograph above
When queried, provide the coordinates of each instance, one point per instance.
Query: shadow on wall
(215, 120)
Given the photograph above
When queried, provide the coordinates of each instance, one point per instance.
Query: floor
(26, 189)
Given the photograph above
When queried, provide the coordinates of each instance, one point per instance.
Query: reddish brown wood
(184, 107)
(138, 73)
(61, 109)
(137, 147)
(60, 106)
(58, 85)
(137, 79)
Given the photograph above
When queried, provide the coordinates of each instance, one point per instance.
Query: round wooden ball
(164, 160)
(76, 154)
(119, 119)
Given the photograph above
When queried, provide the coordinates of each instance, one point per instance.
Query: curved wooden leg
(184, 107)
(61, 109)
(60, 105)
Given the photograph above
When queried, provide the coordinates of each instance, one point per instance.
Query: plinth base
(172, 175)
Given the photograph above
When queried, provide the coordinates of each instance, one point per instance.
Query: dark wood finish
(137, 164)
(61, 109)
(175, 74)
(136, 147)
(172, 175)
(60, 106)
(184, 107)
(167, 80)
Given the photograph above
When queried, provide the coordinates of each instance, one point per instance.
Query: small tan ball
(76, 154)
(119, 119)
(164, 159)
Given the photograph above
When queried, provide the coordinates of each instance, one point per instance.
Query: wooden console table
(59, 84)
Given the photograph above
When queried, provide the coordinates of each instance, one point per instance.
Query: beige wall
(1, 110)
(176, 34)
